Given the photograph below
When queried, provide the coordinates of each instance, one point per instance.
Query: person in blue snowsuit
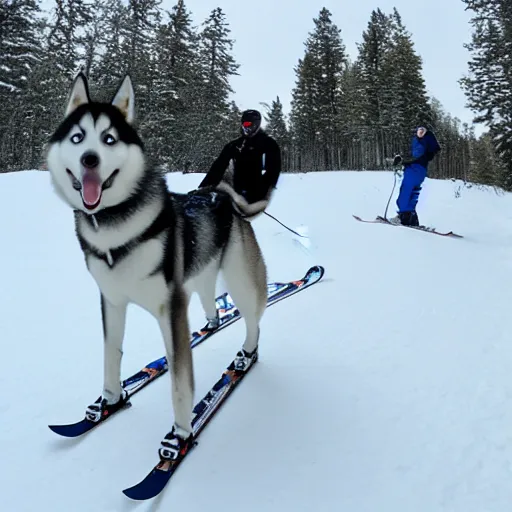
(424, 147)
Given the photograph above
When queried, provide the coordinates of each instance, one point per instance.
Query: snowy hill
(385, 388)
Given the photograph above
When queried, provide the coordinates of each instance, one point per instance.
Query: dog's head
(95, 157)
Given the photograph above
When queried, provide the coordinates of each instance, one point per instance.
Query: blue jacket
(423, 150)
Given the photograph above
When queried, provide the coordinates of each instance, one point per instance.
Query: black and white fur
(147, 246)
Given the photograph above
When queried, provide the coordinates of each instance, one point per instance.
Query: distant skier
(252, 153)
(424, 147)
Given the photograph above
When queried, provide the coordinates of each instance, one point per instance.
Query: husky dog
(147, 246)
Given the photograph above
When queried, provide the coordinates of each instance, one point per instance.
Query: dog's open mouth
(91, 187)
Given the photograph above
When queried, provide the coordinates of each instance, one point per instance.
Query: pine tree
(404, 96)
(64, 56)
(138, 54)
(359, 143)
(393, 84)
(21, 24)
(216, 48)
(317, 104)
(177, 84)
(303, 133)
(486, 167)
(276, 123)
(212, 115)
(489, 84)
(376, 45)
(68, 35)
(110, 67)
(42, 102)
(354, 98)
(96, 32)
(377, 85)
(276, 128)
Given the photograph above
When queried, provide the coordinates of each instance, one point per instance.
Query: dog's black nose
(90, 160)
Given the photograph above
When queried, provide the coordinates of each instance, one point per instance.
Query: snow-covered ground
(385, 388)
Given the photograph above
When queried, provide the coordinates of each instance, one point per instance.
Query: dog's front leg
(114, 319)
(113, 397)
(176, 333)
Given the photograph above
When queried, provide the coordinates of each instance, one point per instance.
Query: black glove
(397, 160)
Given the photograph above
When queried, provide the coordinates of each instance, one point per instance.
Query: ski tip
(320, 270)
(134, 494)
(150, 487)
(58, 429)
(72, 430)
(315, 269)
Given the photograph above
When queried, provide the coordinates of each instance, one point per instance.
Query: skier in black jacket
(252, 153)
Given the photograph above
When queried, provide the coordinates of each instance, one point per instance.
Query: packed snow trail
(384, 387)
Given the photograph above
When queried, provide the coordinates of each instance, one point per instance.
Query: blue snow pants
(414, 176)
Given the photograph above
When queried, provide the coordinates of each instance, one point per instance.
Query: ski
(204, 411)
(426, 229)
(276, 291)
(228, 314)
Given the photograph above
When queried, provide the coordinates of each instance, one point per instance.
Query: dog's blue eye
(77, 138)
(109, 140)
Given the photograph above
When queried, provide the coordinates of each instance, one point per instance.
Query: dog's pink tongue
(91, 187)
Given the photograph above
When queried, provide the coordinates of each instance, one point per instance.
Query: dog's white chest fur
(130, 279)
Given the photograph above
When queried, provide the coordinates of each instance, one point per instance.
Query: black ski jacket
(251, 156)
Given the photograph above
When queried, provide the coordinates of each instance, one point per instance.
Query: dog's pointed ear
(124, 99)
(79, 93)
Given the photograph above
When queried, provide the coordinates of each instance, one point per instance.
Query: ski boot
(409, 218)
(243, 360)
(405, 219)
(175, 444)
(212, 325)
(415, 222)
(101, 408)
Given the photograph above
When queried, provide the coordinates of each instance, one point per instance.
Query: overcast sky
(269, 39)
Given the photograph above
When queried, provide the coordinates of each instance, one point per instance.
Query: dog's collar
(106, 257)
(113, 256)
